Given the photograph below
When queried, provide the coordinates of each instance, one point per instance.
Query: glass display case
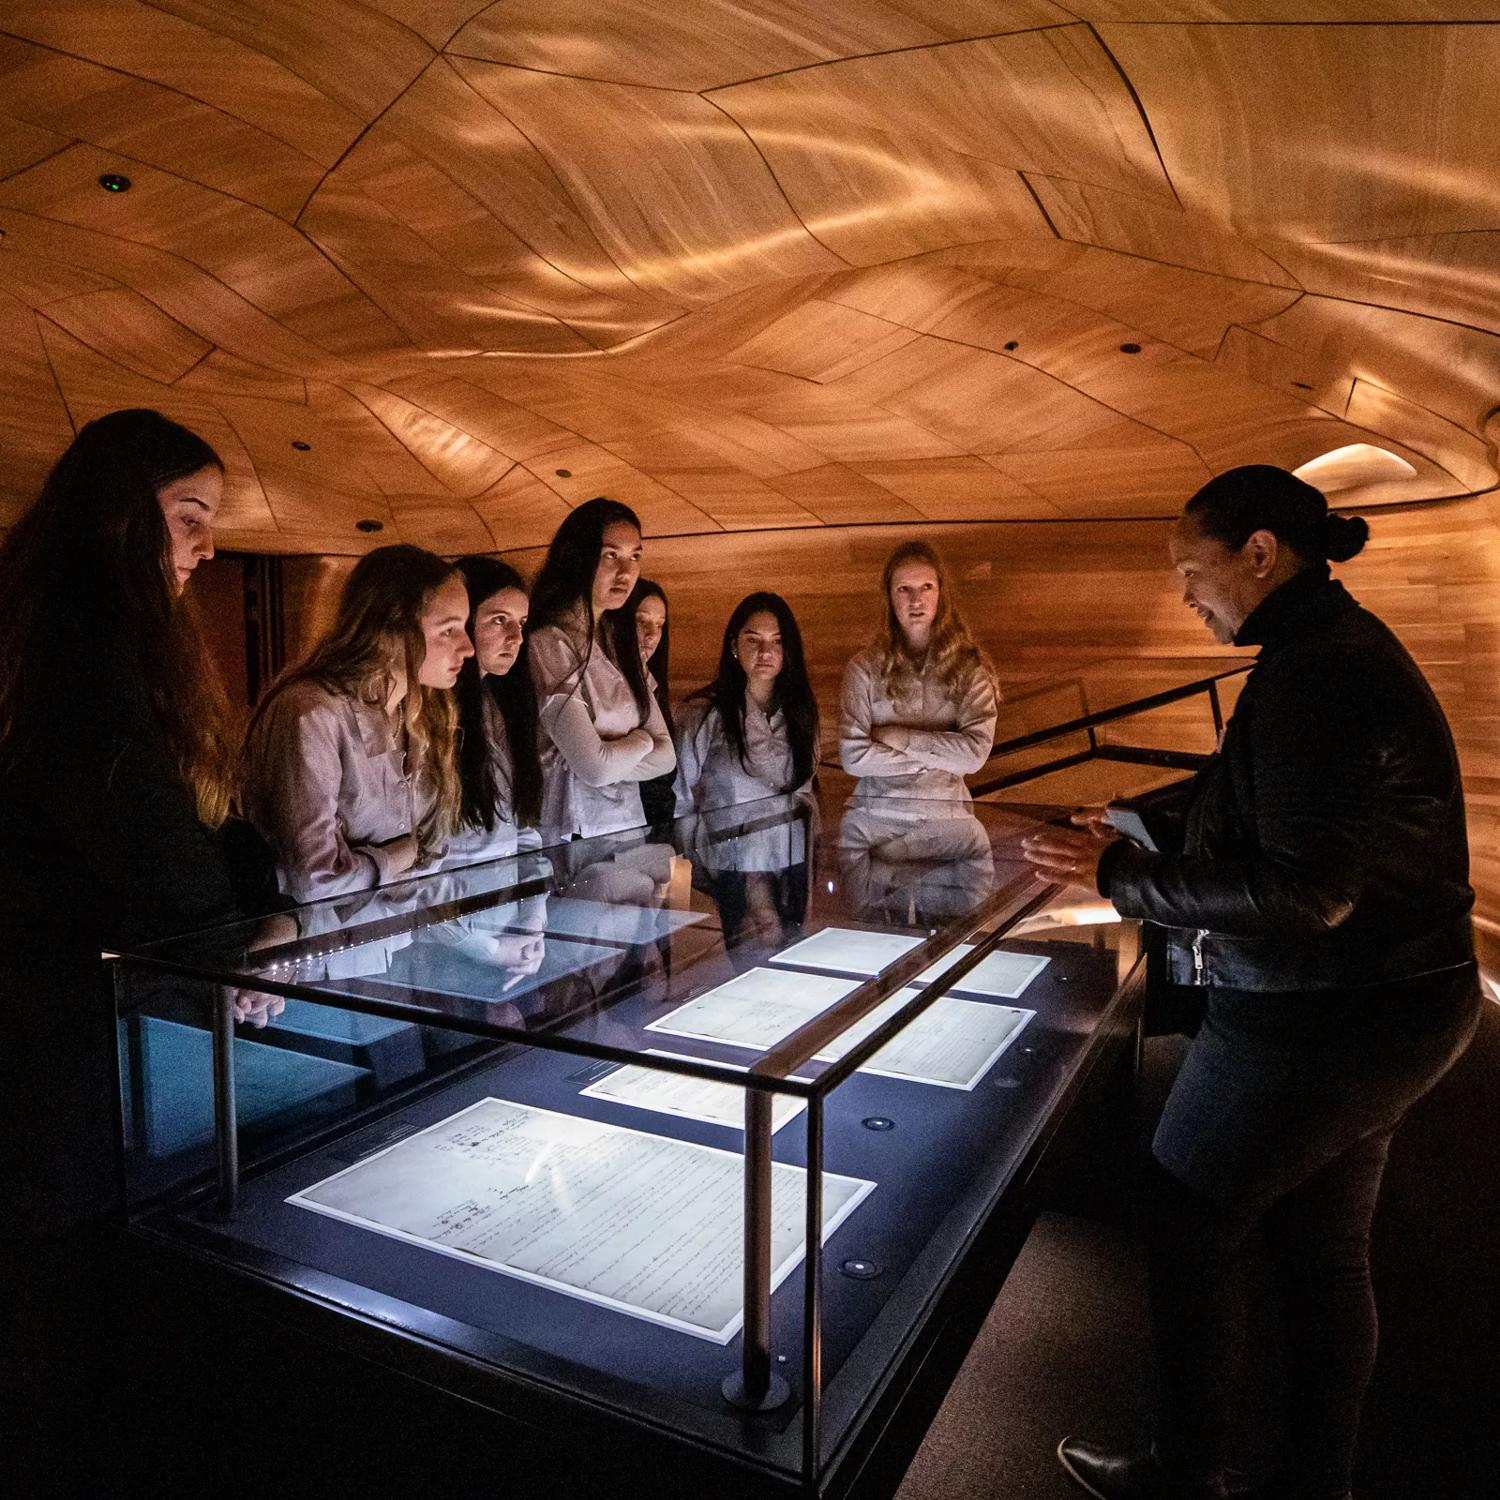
(708, 1143)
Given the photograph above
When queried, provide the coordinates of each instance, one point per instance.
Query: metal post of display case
(753, 1386)
(226, 1128)
(812, 1300)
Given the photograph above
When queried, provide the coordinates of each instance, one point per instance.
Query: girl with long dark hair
(643, 622)
(350, 767)
(919, 705)
(602, 732)
(112, 780)
(499, 769)
(753, 731)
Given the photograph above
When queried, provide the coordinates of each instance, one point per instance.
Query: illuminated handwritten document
(953, 1043)
(691, 1098)
(634, 1222)
(755, 1009)
(850, 950)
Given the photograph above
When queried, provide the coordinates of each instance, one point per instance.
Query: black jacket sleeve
(1311, 789)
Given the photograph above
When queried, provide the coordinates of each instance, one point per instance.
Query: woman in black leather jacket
(1313, 878)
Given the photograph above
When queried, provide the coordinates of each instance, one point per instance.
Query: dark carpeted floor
(1067, 1348)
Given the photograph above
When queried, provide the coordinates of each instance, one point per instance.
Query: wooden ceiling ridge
(753, 264)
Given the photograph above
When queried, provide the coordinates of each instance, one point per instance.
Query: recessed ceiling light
(1130, 348)
(369, 525)
(564, 473)
(1011, 344)
(300, 446)
(113, 182)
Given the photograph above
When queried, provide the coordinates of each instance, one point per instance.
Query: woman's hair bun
(1346, 535)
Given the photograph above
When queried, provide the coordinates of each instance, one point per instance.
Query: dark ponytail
(1261, 497)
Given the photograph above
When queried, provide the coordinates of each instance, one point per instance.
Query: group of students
(448, 715)
(449, 710)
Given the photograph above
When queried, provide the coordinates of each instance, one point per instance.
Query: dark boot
(1130, 1476)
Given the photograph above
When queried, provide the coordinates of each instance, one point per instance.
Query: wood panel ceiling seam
(1140, 106)
(1396, 239)
(1036, 198)
(62, 395)
(1292, 283)
(562, 186)
(1056, 379)
(771, 172)
(1403, 312)
(468, 21)
(343, 155)
(276, 55)
(616, 83)
(212, 349)
(338, 361)
(172, 88)
(1437, 416)
(254, 208)
(854, 57)
(521, 237)
(41, 160)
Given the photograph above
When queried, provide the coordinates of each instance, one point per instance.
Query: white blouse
(594, 747)
(932, 737)
(711, 774)
(327, 786)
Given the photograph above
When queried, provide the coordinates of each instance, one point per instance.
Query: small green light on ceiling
(112, 182)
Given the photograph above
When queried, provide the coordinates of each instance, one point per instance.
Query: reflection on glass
(916, 864)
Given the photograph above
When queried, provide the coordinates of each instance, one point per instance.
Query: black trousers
(1278, 1127)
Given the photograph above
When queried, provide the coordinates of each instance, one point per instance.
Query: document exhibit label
(634, 1222)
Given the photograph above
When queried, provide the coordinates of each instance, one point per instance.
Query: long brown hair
(381, 607)
(92, 560)
(950, 648)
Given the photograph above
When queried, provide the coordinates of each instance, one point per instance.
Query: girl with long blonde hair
(350, 766)
(918, 708)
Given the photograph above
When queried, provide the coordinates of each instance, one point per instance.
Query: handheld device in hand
(1126, 820)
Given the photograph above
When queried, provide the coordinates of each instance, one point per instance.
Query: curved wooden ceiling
(453, 266)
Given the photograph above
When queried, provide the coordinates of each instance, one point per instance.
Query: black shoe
(1129, 1476)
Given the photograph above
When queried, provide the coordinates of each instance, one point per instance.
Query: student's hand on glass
(255, 1007)
(400, 854)
(523, 957)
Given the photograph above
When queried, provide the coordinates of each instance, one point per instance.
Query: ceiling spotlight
(1130, 348)
(300, 446)
(112, 182)
(369, 525)
(1012, 344)
(564, 473)
(1301, 385)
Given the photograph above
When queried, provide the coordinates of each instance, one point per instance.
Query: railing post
(1213, 700)
(226, 1124)
(753, 1386)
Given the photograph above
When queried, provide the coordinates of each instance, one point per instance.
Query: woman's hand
(399, 855)
(1069, 854)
